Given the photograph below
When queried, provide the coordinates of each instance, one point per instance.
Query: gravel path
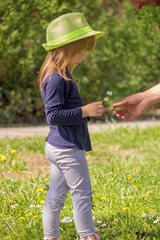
(13, 132)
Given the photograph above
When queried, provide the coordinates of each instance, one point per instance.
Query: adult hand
(134, 106)
(95, 109)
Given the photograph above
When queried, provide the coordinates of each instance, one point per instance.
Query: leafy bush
(125, 60)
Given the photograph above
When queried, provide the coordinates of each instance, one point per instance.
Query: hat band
(70, 35)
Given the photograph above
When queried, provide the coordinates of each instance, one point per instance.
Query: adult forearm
(152, 95)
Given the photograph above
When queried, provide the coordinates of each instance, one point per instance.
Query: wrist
(84, 112)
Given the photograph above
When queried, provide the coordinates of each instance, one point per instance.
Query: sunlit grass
(125, 175)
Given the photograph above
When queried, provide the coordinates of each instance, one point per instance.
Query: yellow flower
(3, 157)
(42, 202)
(30, 109)
(13, 93)
(21, 218)
(29, 100)
(126, 164)
(125, 209)
(27, 214)
(103, 198)
(13, 150)
(34, 216)
(39, 189)
(129, 178)
(158, 183)
(16, 159)
(115, 174)
(127, 172)
(11, 201)
(136, 169)
(105, 185)
(4, 201)
(149, 192)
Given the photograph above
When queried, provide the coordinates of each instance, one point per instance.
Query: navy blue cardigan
(63, 103)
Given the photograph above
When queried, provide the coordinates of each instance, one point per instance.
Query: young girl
(68, 38)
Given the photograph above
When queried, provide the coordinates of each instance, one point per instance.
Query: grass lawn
(125, 174)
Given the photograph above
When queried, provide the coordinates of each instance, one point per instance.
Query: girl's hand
(95, 109)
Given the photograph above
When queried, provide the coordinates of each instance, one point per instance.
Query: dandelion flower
(115, 174)
(105, 185)
(3, 157)
(27, 214)
(125, 209)
(42, 202)
(158, 183)
(12, 92)
(126, 164)
(103, 198)
(136, 169)
(39, 189)
(13, 150)
(109, 93)
(34, 216)
(16, 159)
(11, 201)
(21, 218)
(149, 192)
(29, 100)
(127, 172)
(129, 178)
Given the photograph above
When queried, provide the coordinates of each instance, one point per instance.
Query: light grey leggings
(68, 171)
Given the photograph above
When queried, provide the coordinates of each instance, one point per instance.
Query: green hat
(68, 28)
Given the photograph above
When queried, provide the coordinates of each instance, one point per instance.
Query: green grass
(125, 175)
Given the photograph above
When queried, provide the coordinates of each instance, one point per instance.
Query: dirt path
(13, 132)
(38, 164)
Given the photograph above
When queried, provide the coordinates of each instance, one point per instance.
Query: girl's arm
(56, 93)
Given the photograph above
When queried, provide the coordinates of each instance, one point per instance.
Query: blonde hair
(57, 60)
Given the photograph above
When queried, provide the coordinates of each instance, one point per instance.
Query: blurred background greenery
(125, 60)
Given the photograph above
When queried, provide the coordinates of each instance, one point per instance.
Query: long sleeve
(58, 111)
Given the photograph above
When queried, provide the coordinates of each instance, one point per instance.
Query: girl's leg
(75, 169)
(55, 198)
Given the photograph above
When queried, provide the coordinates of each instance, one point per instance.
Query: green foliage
(126, 59)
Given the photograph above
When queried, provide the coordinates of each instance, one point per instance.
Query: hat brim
(60, 44)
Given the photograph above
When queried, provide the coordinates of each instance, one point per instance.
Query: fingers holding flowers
(95, 109)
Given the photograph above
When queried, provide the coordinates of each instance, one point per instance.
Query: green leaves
(125, 60)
